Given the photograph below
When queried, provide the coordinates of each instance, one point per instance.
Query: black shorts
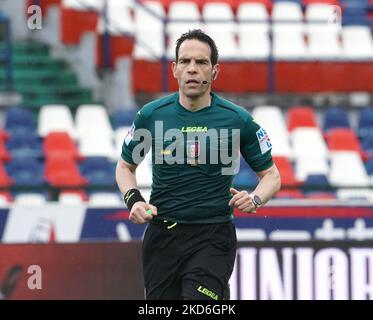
(188, 261)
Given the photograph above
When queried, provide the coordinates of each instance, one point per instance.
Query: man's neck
(195, 104)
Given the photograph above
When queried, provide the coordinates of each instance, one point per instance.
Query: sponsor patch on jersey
(193, 152)
(129, 135)
(263, 139)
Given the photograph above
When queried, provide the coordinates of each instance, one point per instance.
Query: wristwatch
(256, 200)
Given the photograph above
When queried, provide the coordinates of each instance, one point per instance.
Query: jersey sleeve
(256, 146)
(131, 141)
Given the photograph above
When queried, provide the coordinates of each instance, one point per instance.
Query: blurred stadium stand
(302, 68)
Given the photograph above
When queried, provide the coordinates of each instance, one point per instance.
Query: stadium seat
(306, 166)
(287, 11)
(365, 122)
(317, 180)
(19, 119)
(115, 33)
(119, 18)
(308, 142)
(93, 121)
(149, 28)
(26, 172)
(24, 144)
(122, 118)
(272, 120)
(341, 176)
(55, 118)
(99, 171)
(183, 16)
(357, 42)
(221, 26)
(301, 116)
(323, 42)
(60, 145)
(78, 17)
(96, 146)
(63, 173)
(342, 139)
(288, 41)
(335, 117)
(253, 27)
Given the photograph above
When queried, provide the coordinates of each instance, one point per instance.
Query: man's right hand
(140, 212)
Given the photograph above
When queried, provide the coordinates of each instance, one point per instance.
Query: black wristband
(131, 197)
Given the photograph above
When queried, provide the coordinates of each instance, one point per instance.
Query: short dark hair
(198, 34)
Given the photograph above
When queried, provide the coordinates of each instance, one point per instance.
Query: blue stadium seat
(335, 117)
(365, 122)
(25, 144)
(99, 171)
(123, 118)
(19, 118)
(26, 172)
(317, 181)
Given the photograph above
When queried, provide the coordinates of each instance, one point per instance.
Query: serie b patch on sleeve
(263, 139)
(129, 135)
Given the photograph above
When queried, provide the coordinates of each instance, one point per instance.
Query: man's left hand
(242, 201)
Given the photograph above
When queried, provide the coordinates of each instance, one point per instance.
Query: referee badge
(193, 151)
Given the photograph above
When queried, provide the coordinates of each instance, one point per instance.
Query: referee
(189, 246)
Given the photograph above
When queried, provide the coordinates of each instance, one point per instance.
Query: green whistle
(149, 212)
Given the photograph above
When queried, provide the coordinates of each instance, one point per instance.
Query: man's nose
(192, 67)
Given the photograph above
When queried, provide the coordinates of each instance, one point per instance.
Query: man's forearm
(268, 185)
(125, 177)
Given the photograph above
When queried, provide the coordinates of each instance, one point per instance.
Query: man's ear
(215, 71)
(173, 67)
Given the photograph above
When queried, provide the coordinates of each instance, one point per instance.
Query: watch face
(257, 200)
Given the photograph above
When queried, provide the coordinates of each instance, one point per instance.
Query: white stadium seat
(357, 42)
(341, 176)
(93, 121)
(149, 29)
(55, 118)
(253, 27)
(308, 142)
(220, 25)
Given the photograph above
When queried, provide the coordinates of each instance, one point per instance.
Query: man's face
(193, 67)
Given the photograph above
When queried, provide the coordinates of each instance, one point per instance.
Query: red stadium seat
(301, 116)
(120, 46)
(63, 173)
(288, 178)
(74, 23)
(60, 145)
(343, 139)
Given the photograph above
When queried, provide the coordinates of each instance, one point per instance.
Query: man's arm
(125, 175)
(269, 184)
